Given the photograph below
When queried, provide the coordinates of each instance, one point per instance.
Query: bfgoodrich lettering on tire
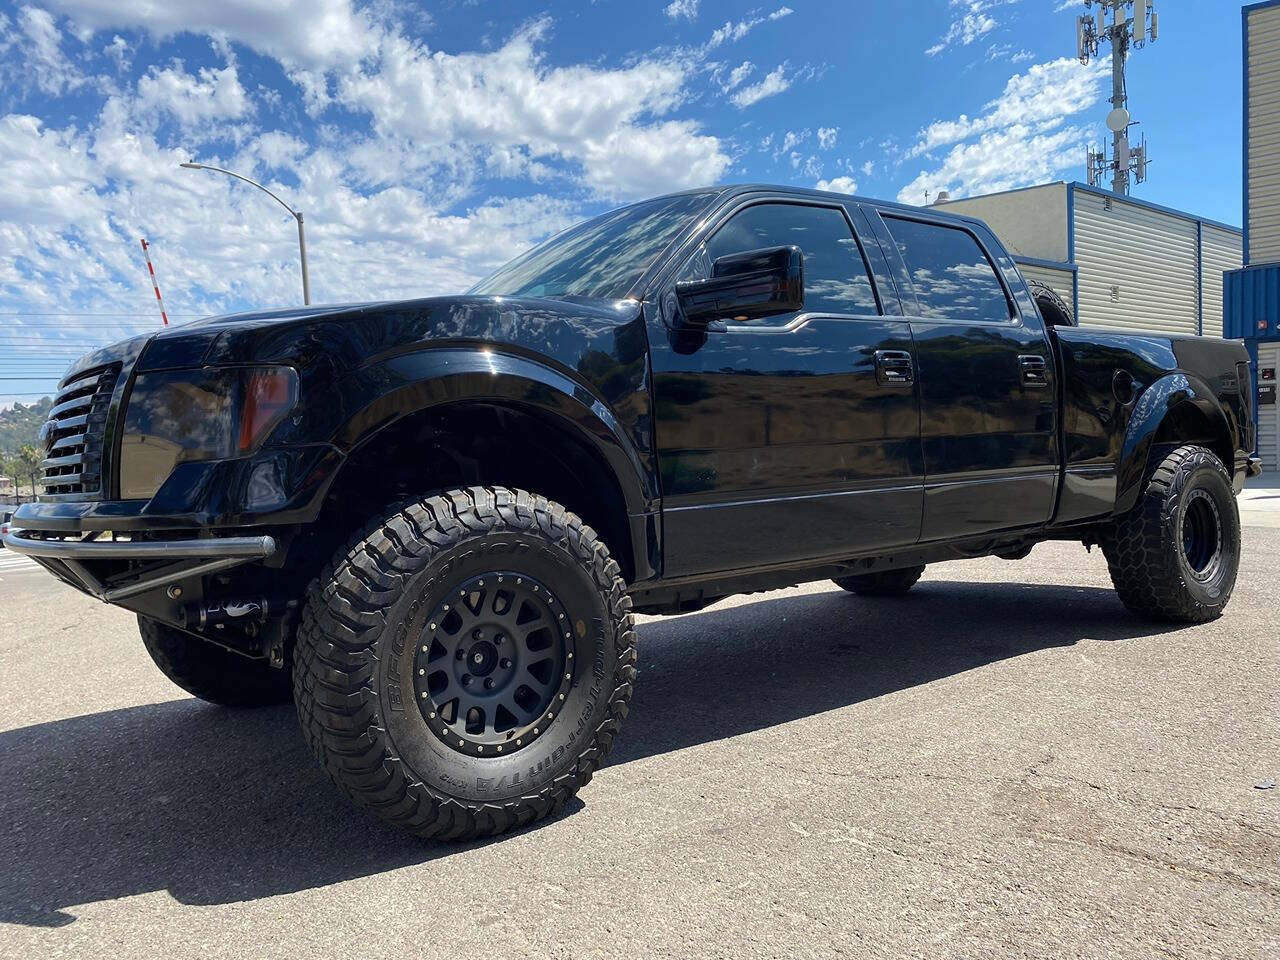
(464, 666)
(1174, 556)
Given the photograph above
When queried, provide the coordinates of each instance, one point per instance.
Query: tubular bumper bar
(187, 558)
(1254, 468)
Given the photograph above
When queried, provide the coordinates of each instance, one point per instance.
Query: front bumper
(162, 561)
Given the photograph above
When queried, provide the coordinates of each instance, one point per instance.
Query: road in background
(1003, 764)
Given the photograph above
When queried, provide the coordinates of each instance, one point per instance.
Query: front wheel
(211, 672)
(1174, 556)
(464, 666)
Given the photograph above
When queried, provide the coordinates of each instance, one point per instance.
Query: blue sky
(428, 143)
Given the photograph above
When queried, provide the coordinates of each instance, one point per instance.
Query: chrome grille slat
(66, 443)
(72, 423)
(80, 403)
(74, 434)
(53, 462)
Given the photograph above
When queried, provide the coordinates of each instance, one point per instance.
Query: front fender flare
(410, 383)
(1154, 406)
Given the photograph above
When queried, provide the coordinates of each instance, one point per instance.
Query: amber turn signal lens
(269, 395)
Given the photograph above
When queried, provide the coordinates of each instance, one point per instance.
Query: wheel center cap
(482, 658)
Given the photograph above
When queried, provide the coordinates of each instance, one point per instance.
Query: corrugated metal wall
(1268, 417)
(1138, 266)
(1058, 280)
(1221, 251)
(1263, 135)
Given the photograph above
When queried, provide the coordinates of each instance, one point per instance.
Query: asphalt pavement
(1003, 764)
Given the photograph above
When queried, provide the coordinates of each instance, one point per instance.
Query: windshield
(603, 257)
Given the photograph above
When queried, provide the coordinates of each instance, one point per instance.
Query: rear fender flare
(1156, 404)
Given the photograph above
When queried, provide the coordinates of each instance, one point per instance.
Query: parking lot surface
(1003, 764)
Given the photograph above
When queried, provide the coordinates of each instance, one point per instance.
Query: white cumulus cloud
(838, 185)
(971, 21)
(774, 82)
(208, 95)
(735, 30)
(682, 10)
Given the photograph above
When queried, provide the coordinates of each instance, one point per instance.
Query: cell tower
(1129, 29)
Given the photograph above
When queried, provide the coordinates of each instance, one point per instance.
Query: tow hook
(246, 614)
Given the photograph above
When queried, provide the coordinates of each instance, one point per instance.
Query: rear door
(988, 396)
(793, 437)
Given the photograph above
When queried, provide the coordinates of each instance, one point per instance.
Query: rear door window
(950, 272)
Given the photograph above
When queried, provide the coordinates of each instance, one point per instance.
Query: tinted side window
(952, 276)
(835, 275)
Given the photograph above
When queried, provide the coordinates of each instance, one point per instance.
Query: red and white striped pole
(146, 252)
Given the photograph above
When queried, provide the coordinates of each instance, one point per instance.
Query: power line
(133, 315)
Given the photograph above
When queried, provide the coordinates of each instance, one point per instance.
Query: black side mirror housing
(745, 286)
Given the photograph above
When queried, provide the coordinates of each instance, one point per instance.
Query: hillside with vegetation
(21, 423)
(19, 440)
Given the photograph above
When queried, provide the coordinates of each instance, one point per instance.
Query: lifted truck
(429, 522)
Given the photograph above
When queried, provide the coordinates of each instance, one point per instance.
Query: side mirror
(744, 286)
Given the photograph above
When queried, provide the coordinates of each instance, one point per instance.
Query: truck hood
(354, 334)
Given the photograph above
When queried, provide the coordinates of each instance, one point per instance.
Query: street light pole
(296, 214)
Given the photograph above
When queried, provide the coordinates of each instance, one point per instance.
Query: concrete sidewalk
(1260, 501)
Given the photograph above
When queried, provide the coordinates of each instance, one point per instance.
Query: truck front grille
(73, 436)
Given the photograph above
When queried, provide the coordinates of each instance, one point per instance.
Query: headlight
(176, 416)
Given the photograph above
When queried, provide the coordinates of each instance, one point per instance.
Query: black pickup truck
(429, 522)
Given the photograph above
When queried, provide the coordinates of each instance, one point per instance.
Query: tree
(25, 466)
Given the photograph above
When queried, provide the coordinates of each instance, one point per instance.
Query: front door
(792, 437)
(988, 396)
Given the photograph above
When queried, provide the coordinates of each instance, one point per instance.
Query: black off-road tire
(1053, 308)
(1174, 556)
(210, 672)
(367, 630)
(885, 583)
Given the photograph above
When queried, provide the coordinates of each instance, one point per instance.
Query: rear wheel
(210, 672)
(885, 583)
(1174, 556)
(464, 665)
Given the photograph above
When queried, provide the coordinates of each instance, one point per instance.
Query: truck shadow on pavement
(216, 806)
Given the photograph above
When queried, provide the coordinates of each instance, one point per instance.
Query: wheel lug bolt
(488, 684)
(498, 638)
(505, 664)
(461, 654)
(466, 679)
(478, 634)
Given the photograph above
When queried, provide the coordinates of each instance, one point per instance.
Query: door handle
(894, 368)
(1035, 372)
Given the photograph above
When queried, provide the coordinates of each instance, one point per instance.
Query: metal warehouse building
(1253, 293)
(1120, 262)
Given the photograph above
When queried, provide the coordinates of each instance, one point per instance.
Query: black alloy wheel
(492, 667)
(1202, 534)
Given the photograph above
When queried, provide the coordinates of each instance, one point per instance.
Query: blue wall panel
(1251, 308)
